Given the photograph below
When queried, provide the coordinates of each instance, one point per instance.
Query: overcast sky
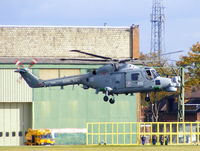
(182, 27)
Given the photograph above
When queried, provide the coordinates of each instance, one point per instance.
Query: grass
(100, 148)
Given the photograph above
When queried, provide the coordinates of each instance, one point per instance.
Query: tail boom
(30, 79)
(35, 82)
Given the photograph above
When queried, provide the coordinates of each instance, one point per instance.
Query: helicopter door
(134, 79)
(117, 80)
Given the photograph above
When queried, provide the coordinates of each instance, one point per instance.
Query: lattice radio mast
(157, 28)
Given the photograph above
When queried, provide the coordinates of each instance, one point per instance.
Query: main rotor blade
(126, 60)
(168, 53)
(92, 60)
(90, 54)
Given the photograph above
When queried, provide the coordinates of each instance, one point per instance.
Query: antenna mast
(157, 28)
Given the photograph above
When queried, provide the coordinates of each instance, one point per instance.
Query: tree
(192, 65)
(153, 106)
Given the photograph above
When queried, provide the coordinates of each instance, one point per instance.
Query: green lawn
(101, 148)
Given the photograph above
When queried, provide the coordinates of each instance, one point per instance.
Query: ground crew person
(166, 140)
(154, 139)
(161, 140)
(143, 139)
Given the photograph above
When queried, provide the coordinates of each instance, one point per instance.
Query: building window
(20, 133)
(134, 76)
(7, 134)
(1, 134)
(13, 134)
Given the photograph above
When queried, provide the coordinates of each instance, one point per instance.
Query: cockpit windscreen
(151, 73)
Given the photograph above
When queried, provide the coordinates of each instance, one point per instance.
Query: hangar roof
(45, 26)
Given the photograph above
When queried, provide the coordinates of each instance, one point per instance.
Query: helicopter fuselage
(111, 79)
(124, 79)
(118, 77)
(128, 79)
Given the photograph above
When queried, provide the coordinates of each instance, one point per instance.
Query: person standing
(143, 139)
(166, 140)
(161, 140)
(154, 139)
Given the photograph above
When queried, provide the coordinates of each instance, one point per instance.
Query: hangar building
(65, 111)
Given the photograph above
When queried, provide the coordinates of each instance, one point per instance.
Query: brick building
(168, 109)
(116, 42)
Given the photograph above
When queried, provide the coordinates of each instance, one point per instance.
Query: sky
(182, 23)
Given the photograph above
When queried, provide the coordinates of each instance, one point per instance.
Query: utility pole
(157, 28)
(181, 100)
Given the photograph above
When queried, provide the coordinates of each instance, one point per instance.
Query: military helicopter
(117, 77)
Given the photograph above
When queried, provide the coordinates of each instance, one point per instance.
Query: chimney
(135, 45)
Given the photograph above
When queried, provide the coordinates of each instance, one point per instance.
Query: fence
(130, 133)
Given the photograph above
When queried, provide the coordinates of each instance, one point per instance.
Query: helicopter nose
(174, 84)
(175, 81)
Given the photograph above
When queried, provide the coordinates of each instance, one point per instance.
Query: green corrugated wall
(12, 89)
(73, 107)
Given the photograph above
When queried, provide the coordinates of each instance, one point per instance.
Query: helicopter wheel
(147, 99)
(112, 101)
(105, 98)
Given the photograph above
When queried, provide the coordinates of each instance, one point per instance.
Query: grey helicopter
(117, 77)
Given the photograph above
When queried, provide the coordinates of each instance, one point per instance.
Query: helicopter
(116, 77)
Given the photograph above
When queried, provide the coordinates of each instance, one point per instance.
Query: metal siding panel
(21, 122)
(27, 116)
(78, 107)
(74, 107)
(14, 117)
(48, 74)
(7, 123)
(69, 72)
(17, 123)
(2, 124)
(13, 123)
(7, 116)
(56, 73)
(12, 89)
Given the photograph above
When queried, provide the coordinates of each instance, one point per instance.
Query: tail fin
(30, 79)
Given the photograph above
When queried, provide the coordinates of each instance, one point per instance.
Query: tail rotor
(33, 62)
(19, 64)
(20, 67)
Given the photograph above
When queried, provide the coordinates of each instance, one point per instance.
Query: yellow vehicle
(39, 137)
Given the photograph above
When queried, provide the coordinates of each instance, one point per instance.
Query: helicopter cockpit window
(151, 73)
(148, 74)
(154, 73)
